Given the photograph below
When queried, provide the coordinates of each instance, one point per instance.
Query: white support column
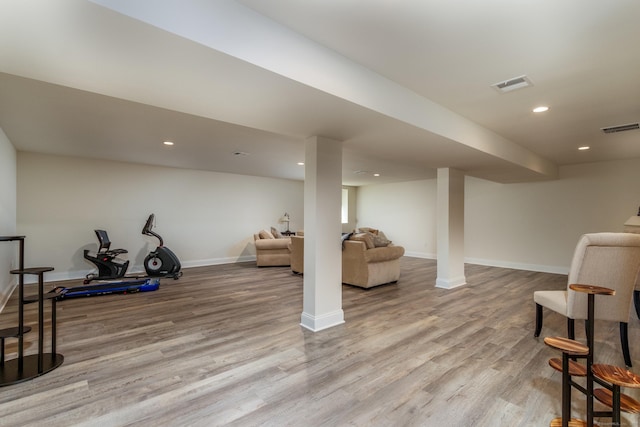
(322, 301)
(450, 234)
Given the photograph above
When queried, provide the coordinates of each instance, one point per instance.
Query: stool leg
(53, 327)
(624, 343)
(539, 320)
(616, 406)
(2, 352)
(40, 322)
(566, 391)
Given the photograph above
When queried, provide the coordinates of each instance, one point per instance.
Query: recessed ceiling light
(584, 147)
(376, 174)
(300, 163)
(168, 143)
(541, 109)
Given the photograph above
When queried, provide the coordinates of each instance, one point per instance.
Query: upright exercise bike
(161, 262)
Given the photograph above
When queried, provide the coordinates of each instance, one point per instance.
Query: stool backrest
(611, 260)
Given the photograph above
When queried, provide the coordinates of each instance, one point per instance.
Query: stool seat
(590, 289)
(575, 369)
(615, 375)
(13, 332)
(571, 347)
(49, 295)
(32, 270)
(627, 403)
(573, 422)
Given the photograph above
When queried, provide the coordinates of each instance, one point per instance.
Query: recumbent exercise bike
(161, 262)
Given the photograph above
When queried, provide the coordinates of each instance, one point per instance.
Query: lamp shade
(284, 218)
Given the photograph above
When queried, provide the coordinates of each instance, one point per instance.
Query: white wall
(209, 218)
(532, 226)
(406, 212)
(8, 250)
(204, 217)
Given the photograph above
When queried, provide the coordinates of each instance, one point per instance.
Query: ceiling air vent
(512, 84)
(621, 128)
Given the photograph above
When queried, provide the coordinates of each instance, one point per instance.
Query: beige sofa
(363, 264)
(271, 251)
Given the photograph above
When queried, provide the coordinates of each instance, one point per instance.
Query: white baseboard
(218, 261)
(519, 266)
(498, 263)
(318, 323)
(55, 276)
(424, 255)
(4, 298)
(451, 283)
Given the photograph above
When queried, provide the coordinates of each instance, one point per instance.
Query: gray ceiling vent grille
(512, 84)
(621, 128)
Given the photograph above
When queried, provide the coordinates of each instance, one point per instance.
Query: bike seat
(116, 251)
(105, 244)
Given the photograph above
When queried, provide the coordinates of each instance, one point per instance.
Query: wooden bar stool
(573, 349)
(569, 348)
(617, 377)
(28, 367)
(10, 333)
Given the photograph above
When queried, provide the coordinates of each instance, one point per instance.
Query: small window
(345, 206)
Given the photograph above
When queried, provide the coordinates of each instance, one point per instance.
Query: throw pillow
(368, 230)
(380, 241)
(364, 237)
(276, 233)
(264, 234)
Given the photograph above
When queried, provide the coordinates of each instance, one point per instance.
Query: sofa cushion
(264, 234)
(269, 244)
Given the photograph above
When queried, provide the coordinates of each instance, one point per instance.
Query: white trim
(451, 283)
(218, 261)
(134, 269)
(11, 286)
(519, 266)
(318, 323)
(424, 255)
(555, 269)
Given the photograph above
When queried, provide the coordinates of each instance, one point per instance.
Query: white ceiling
(404, 84)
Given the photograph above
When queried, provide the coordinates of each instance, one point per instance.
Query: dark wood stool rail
(24, 368)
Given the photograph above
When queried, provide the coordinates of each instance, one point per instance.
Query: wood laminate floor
(223, 346)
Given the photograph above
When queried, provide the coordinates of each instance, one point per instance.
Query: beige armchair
(610, 260)
(271, 252)
(296, 247)
(367, 268)
(361, 267)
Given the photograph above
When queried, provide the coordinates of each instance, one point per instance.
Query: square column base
(318, 323)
